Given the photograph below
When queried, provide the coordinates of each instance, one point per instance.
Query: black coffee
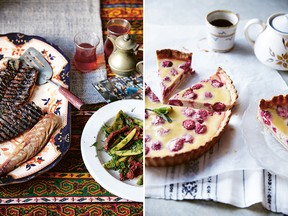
(221, 23)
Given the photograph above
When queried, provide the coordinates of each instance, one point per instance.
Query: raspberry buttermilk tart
(173, 67)
(174, 134)
(273, 114)
(214, 94)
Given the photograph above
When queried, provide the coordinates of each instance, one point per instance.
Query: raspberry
(146, 114)
(167, 79)
(208, 105)
(216, 83)
(167, 63)
(156, 145)
(188, 124)
(186, 66)
(188, 138)
(190, 94)
(208, 95)
(175, 102)
(218, 107)
(147, 138)
(282, 111)
(197, 86)
(200, 120)
(176, 144)
(200, 129)
(189, 112)
(147, 89)
(158, 120)
(203, 114)
(173, 72)
(163, 132)
(266, 116)
(147, 149)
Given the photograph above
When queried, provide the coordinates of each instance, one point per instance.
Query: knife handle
(75, 101)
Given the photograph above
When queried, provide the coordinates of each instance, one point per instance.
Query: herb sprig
(163, 112)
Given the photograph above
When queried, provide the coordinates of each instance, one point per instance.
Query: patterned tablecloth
(68, 188)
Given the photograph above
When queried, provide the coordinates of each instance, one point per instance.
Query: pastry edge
(230, 86)
(173, 54)
(276, 100)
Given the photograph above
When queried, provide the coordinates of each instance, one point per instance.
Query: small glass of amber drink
(85, 57)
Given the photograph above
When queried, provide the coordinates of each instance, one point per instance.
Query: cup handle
(139, 67)
(112, 39)
(138, 48)
(247, 27)
(238, 16)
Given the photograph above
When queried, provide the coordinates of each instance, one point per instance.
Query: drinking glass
(115, 28)
(85, 57)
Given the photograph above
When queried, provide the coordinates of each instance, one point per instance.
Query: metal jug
(123, 59)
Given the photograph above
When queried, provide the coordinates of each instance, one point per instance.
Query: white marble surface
(187, 13)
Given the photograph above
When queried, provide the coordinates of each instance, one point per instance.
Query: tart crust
(173, 55)
(275, 101)
(229, 84)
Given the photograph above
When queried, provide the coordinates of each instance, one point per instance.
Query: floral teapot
(271, 45)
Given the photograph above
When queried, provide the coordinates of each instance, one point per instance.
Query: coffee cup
(221, 28)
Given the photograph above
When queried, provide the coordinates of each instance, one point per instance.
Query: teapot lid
(280, 23)
(125, 42)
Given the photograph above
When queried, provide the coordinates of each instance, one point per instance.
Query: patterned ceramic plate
(93, 159)
(48, 98)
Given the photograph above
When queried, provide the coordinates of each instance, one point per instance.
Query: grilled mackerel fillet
(29, 143)
(15, 121)
(17, 82)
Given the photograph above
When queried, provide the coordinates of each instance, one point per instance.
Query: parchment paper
(250, 77)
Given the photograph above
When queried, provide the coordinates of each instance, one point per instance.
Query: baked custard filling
(189, 129)
(276, 118)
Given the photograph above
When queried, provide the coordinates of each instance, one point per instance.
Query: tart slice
(150, 98)
(174, 135)
(173, 67)
(273, 114)
(214, 94)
